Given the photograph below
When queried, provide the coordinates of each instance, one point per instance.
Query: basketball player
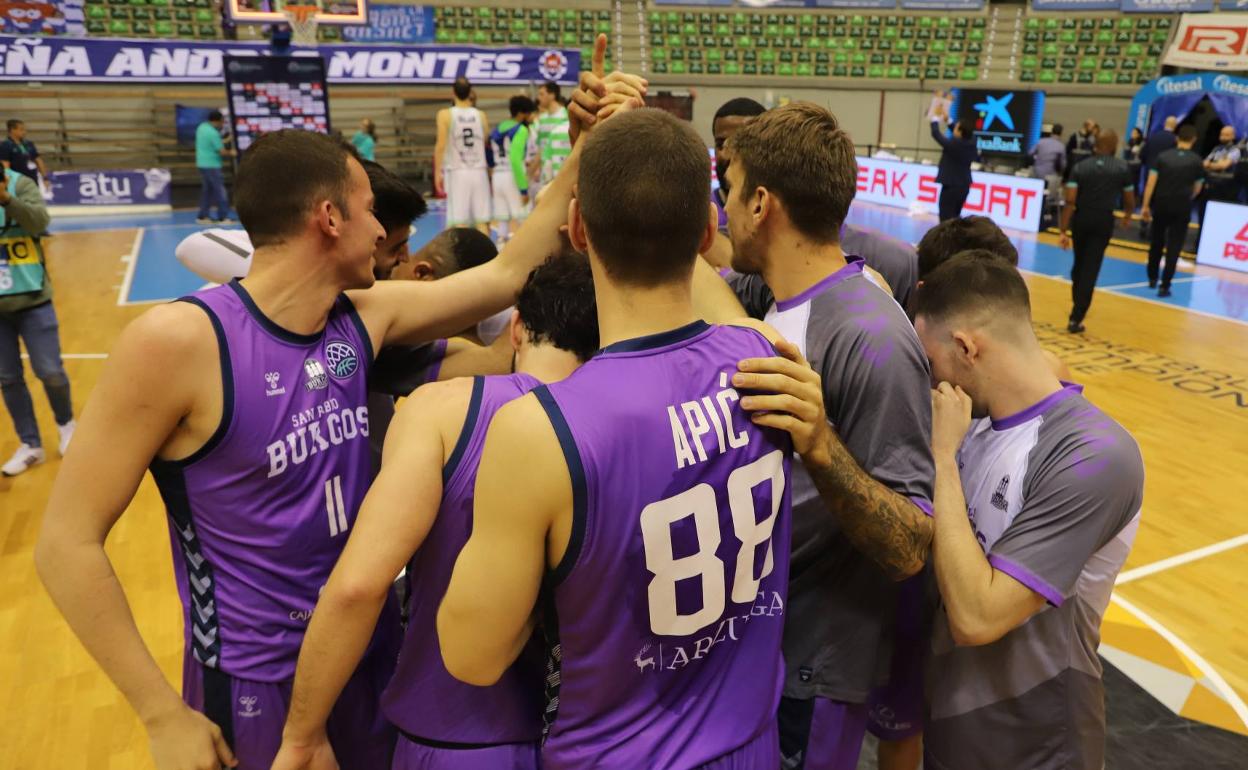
(510, 142)
(423, 500)
(1052, 489)
(554, 133)
(656, 514)
(248, 401)
(862, 500)
(459, 161)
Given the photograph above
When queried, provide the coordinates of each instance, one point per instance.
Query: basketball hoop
(303, 23)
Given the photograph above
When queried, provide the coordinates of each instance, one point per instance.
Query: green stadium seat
(1149, 65)
(1105, 78)
(1130, 64)
(1068, 36)
(142, 28)
(1032, 23)
(786, 57)
(1143, 77)
(875, 72)
(970, 73)
(952, 60)
(1126, 22)
(1125, 79)
(902, 46)
(1027, 76)
(1048, 63)
(878, 59)
(931, 73)
(658, 54)
(1109, 64)
(1047, 76)
(1050, 37)
(1092, 50)
(1066, 77)
(939, 46)
(1088, 63)
(972, 61)
(1069, 64)
(1051, 50)
(925, 21)
(677, 68)
(1052, 23)
(1086, 77)
(1135, 50)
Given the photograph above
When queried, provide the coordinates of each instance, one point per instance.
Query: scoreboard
(270, 93)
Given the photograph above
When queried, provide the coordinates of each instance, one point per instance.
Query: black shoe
(1076, 327)
(1164, 291)
(1152, 284)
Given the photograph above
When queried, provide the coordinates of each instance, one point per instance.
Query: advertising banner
(42, 17)
(1210, 41)
(1166, 6)
(145, 187)
(1224, 237)
(394, 24)
(1010, 201)
(1006, 122)
(115, 60)
(1076, 5)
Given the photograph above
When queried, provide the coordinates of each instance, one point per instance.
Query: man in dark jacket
(954, 174)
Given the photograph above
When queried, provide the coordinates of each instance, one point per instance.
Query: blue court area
(156, 275)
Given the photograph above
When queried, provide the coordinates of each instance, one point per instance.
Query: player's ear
(516, 329)
(762, 203)
(576, 228)
(966, 346)
(712, 229)
(424, 271)
(328, 218)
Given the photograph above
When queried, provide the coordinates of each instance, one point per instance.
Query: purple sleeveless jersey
(668, 608)
(423, 699)
(260, 514)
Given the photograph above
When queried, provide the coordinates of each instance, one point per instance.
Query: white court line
(1142, 284)
(1180, 559)
(124, 293)
(1180, 308)
(1211, 673)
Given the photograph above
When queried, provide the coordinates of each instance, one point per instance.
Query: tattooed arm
(883, 524)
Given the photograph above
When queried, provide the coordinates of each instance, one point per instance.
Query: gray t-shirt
(1054, 495)
(896, 260)
(841, 611)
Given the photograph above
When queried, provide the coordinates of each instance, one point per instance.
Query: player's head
(308, 193)
(971, 311)
(733, 114)
(1187, 135)
(396, 206)
(462, 89)
(450, 251)
(964, 128)
(216, 118)
(642, 207)
(547, 94)
(17, 129)
(1172, 122)
(556, 308)
(1107, 142)
(957, 235)
(521, 108)
(793, 172)
(1227, 134)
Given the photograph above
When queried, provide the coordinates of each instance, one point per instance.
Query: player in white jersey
(461, 170)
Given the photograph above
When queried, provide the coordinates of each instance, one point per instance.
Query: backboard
(345, 12)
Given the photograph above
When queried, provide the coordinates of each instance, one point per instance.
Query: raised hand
(598, 96)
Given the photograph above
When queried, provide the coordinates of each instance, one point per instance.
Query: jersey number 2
(699, 502)
(470, 137)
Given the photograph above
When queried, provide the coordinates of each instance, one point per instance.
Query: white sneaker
(67, 432)
(204, 221)
(23, 459)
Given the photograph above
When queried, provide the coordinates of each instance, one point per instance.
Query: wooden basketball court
(1175, 376)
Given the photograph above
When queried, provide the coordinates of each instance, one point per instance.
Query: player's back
(428, 704)
(467, 139)
(668, 606)
(501, 138)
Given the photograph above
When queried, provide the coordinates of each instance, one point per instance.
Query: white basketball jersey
(467, 139)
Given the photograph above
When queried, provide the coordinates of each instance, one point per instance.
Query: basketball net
(303, 23)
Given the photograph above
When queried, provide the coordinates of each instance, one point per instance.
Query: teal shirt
(365, 144)
(208, 146)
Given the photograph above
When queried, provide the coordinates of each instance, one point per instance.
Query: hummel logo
(273, 378)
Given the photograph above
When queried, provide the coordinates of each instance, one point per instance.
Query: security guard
(1091, 193)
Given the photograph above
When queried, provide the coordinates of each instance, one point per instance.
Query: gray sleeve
(1084, 484)
(877, 391)
(27, 207)
(754, 295)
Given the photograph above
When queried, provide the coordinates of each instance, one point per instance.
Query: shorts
(897, 707)
(467, 197)
(252, 714)
(508, 206)
(821, 734)
(411, 755)
(761, 752)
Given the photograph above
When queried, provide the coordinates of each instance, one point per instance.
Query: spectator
(1083, 140)
(1220, 169)
(954, 172)
(21, 155)
(1049, 154)
(209, 149)
(1174, 180)
(1158, 142)
(365, 140)
(26, 311)
(1135, 145)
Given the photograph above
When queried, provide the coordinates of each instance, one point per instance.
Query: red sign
(1214, 41)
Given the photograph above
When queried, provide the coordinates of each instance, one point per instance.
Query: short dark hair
(14, 123)
(956, 235)
(1187, 133)
(800, 153)
(396, 203)
(967, 127)
(213, 117)
(974, 280)
(1057, 129)
(519, 104)
(551, 87)
(283, 175)
(740, 107)
(470, 247)
(644, 191)
(557, 305)
(462, 88)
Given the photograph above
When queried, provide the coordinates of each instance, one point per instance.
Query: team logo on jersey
(552, 64)
(998, 498)
(317, 379)
(341, 358)
(273, 378)
(248, 702)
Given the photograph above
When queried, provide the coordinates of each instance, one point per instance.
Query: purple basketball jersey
(423, 699)
(668, 608)
(261, 513)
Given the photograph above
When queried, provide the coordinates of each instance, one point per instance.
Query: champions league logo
(552, 64)
(341, 359)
